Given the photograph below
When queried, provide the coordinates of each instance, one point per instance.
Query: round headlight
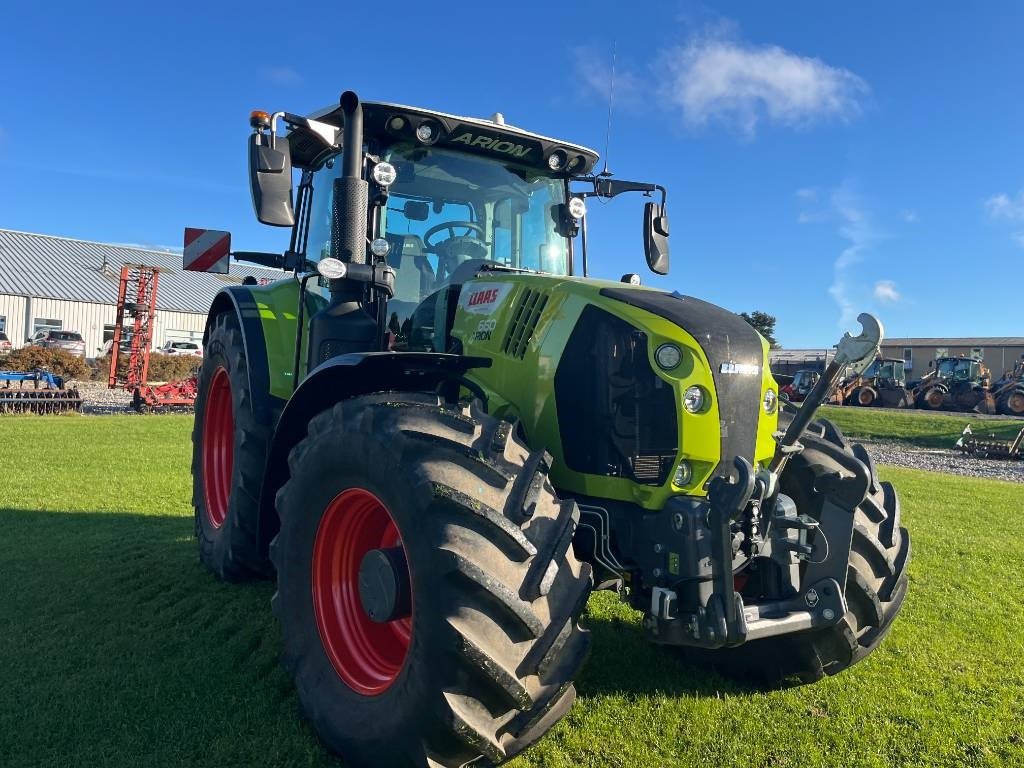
(332, 269)
(693, 399)
(380, 247)
(384, 174)
(683, 475)
(556, 160)
(771, 401)
(668, 356)
(426, 133)
(577, 208)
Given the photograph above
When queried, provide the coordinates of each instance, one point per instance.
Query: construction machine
(954, 384)
(438, 432)
(882, 384)
(1006, 396)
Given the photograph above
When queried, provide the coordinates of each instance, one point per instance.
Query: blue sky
(820, 160)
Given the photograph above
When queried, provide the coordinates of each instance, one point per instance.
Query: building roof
(968, 341)
(78, 270)
(780, 355)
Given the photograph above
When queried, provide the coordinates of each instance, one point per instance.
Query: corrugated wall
(89, 319)
(12, 309)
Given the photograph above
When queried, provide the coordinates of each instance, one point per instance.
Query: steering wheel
(450, 227)
(454, 249)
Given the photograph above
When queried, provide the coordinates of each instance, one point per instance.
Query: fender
(239, 299)
(344, 377)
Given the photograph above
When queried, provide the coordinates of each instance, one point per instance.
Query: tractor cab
(954, 370)
(446, 198)
(446, 215)
(891, 371)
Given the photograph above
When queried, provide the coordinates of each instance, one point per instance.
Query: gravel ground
(97, 398)
(951, 462)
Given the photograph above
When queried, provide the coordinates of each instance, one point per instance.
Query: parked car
(71, 341)
(5, 343)
(181, 348)
(126, 345)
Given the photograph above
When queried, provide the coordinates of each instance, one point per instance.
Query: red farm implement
(133, 340)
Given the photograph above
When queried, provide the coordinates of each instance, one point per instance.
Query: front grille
(616, 417)
(651, 468)
(525, 316)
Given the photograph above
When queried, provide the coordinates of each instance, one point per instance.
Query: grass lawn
(118, 649)
(921, 428)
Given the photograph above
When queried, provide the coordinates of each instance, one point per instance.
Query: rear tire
(229, 450)
(865, 396)
(932, 399)
(483, 666)
(1012, 403)
(876, 582)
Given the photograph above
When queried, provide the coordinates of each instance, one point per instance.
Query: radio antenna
(611, 101)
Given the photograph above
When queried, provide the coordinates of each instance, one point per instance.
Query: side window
(318, 245)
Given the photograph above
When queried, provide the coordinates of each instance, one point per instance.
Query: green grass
(920, 428)
(118, 649)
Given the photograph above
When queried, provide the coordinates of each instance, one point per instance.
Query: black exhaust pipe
(344, 325)
(348, 217)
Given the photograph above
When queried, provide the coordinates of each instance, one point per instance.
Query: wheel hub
(384, 585)
(365, 630)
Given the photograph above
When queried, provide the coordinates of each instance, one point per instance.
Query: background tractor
(438, 433)
(1006, 395)
(883, 384)
(954, 384)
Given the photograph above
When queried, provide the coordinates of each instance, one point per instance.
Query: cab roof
(387, 124)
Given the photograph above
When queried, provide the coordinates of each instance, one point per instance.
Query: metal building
(71, 285)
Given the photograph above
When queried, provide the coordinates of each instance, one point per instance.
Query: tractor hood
(577, 361)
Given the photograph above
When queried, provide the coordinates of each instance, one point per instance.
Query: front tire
(480, 662)
(229, 450)
(876, 581)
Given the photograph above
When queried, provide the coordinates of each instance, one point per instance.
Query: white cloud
(910, 217)
(1003, 206)
(855, 229)
(283, 76)
(807, 193)
(885, 292)
(713, 79)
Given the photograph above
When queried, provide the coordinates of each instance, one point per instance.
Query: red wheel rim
(366, 654)
(218, 447)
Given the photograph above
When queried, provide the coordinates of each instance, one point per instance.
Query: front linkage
(705, 609)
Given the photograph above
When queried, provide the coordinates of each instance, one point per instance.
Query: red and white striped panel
(206, 250)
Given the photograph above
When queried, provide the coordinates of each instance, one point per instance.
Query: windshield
(946, 368)
(447, 208)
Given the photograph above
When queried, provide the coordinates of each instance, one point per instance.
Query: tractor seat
(414, 277)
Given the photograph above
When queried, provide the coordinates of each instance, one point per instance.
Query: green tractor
(438, 434)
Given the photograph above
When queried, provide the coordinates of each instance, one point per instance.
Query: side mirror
(270, 180)
(656, 237)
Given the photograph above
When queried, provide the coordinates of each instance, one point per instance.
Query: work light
(332, 269)
(668, 356)
(384, 174)
(693, 399)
